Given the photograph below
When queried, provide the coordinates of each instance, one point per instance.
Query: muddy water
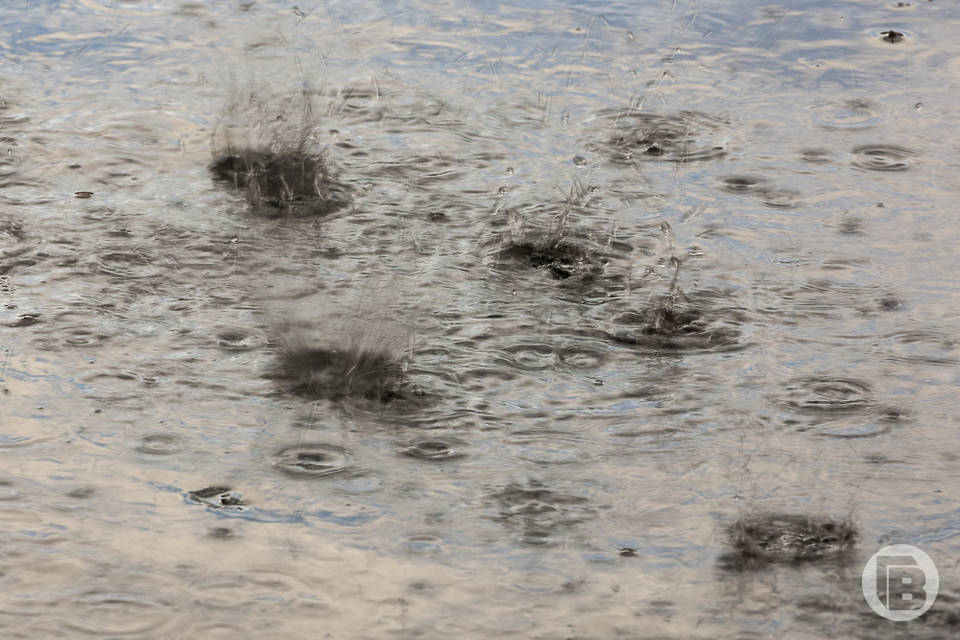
(649, 277)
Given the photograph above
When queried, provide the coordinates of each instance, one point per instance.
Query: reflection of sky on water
(494, 42)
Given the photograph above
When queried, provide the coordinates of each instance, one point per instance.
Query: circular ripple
(660, 329)
(848, 115)
(530, 356)
(423, 543)
(780, 198)
(741, 184)
(828, 395)
(541, 582)
(127, 265)
(541, 356)
(838, 408)
(685, 136)
(856, 429)
(238, 339)
(929, 347)
(816, 156)
(79, 336)
(883, 157)
(549, 446)
(435, 450)
(581, 357)
(158, 444)
(314, 460)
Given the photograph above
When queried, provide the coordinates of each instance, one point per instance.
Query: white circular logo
(900, 582)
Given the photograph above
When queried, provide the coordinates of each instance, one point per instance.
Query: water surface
(648, 268)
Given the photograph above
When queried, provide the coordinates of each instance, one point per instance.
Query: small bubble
(918, 106)
(580, 161)
(509, 171)
(630, 35)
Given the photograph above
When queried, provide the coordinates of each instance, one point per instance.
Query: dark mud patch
(760, 540)
(676, 324)
(686, 136)
(281, 183)
(218, 498)
(312, 460)
(537, 513)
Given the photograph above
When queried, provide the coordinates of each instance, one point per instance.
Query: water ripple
(685, 136)
(312, 460)
(883, 157)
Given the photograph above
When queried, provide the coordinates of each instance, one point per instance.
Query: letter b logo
(900, 582)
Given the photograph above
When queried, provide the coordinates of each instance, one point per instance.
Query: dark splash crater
(674, 324)
(760, 540)
(326, 372)
(282, 183)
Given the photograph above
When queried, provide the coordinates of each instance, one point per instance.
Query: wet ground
(547, 320)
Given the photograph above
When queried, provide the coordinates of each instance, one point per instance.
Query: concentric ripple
(742, 184)
(838, 407)
(550, 446)
(313, 460)
(239, 339)
(848, 115)
(158, 444)
(539, 513)
(539, 356)
(883, 157)
(828, 395)
(686, 136)
(683, 328)
(923, 346)
(434, 450)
